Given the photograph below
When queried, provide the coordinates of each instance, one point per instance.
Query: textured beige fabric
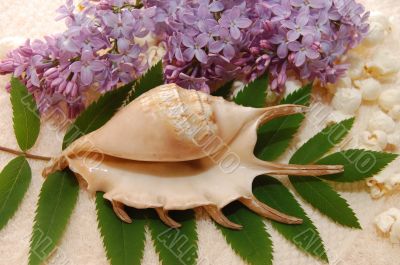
(82, 245)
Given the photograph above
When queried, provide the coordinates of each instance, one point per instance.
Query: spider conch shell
(177, 149)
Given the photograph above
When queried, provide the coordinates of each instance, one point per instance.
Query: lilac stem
(19, 153)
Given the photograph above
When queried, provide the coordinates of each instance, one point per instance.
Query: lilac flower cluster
(98, 48)
(208, 43)
(211, 42)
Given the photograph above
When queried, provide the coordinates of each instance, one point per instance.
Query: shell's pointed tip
(296, 221)
(236, 227)
(176, 226)
(268, 212)
(338, 168)
(304, 109)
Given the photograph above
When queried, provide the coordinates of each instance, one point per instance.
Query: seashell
(177, 149)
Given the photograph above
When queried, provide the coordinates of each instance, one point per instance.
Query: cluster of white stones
(388, 223)
(372, 83)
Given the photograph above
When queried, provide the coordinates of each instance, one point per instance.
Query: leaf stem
(19, 153)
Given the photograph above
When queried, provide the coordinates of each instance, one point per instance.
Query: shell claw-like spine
(268, 212)
(163, 214)
(119, 210)
(217, 215)
(303, 170)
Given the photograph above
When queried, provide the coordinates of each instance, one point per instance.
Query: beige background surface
(81, 245)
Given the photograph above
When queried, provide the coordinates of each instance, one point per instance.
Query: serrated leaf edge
(24, 109)
(16, 180)
(357, 226)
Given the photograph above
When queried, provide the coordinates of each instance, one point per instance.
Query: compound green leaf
(358, 164)
(175, 246)
(305, 236)
(26, 117)
(57, 199)
(124, 243)
(14, 182)
(253, 243)
(254, 93)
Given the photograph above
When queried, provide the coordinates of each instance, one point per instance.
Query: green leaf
(25, 115)
(254, 93)
(301, 96)
(57, 199)
(175, 246)
(305, 236)
(124, 243)
(358, 164)
(224, 91)
(14, 182)
(151, 79)
(97, 114)
(274, 137)
(321, 195)
(252, 243)
(318, 193)
(322, 142)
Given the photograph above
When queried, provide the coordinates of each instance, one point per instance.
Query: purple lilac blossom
(98, 49)
(208, 43)
(243, 39)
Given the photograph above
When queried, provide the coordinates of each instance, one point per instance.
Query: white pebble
(356, 68)
(395, 112)
(381, 121)
(370, 88)
(347, 100)
(154, 54)
(376, 140)
(394, 180)
(379, 26)
(375, 35)
(394, 212)
(381, 18)
(389, 98)
(383, 63)
(385, 222)
(344, 81)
